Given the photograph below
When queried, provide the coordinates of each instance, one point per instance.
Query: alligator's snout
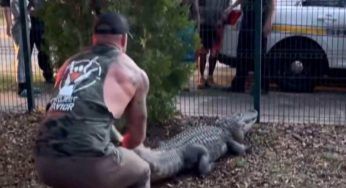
(243, 120)
(250, 117)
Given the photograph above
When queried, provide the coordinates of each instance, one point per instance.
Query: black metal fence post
(26, 52)
(258, 55)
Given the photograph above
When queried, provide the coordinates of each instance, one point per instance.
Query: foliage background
(158, 46)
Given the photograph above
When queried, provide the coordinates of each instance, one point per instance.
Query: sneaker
(201, 83)
(210, 81)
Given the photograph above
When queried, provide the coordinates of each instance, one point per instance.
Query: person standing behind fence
(194, 14)
(246, 38)
(211, 12)
(36, 38)
(13, 28)
(187, 34)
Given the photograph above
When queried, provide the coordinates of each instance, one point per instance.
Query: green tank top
(85, 129)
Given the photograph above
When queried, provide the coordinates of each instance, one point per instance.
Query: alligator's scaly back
(198, 147)
(193, 135)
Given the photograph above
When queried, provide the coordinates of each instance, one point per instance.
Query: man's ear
(124, 42)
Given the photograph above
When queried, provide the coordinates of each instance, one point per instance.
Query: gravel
(281, 155)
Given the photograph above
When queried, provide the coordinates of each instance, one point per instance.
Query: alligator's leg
(238, 134)
(198, 154)
(205, 165)
(236, 147)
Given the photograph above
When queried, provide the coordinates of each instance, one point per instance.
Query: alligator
(198, 147)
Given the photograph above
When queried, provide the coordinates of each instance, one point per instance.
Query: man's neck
(114, 45)
(107, 41)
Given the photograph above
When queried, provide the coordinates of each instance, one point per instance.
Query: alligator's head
(238, 124)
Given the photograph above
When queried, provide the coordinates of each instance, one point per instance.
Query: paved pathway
(316, 108)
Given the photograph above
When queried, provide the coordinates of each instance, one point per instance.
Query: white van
(308, 42)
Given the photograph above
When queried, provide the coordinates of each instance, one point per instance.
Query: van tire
(295, 67)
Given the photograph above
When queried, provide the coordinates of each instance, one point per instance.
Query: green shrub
(156, 47)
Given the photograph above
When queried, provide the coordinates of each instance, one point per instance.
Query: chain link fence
(303, 59)
(12, 99)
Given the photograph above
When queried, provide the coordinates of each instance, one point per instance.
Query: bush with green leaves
(158, 45)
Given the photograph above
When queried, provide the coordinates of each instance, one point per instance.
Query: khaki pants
(94, 172)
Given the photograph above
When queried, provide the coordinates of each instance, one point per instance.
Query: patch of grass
(335, 160)
(8, 82)
(240, 162)
(331, 157)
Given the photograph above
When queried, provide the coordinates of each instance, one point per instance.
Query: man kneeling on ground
(76, 146)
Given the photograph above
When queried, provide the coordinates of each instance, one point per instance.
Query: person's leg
(243, 53)
(38, 40)
(17, 37)
(208, 39)
(212, 64)
(202, 56)
(238, 83)
(133, 172)
(70, 172)
(21, 80)
(124, 170)
(203, 61)
(215, 42)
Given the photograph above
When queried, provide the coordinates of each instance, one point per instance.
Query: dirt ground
(281, 155)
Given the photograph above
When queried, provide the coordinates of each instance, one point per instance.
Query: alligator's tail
(163, 164)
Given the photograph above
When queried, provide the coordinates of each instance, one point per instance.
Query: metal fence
(10, 98)
(304, 60)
